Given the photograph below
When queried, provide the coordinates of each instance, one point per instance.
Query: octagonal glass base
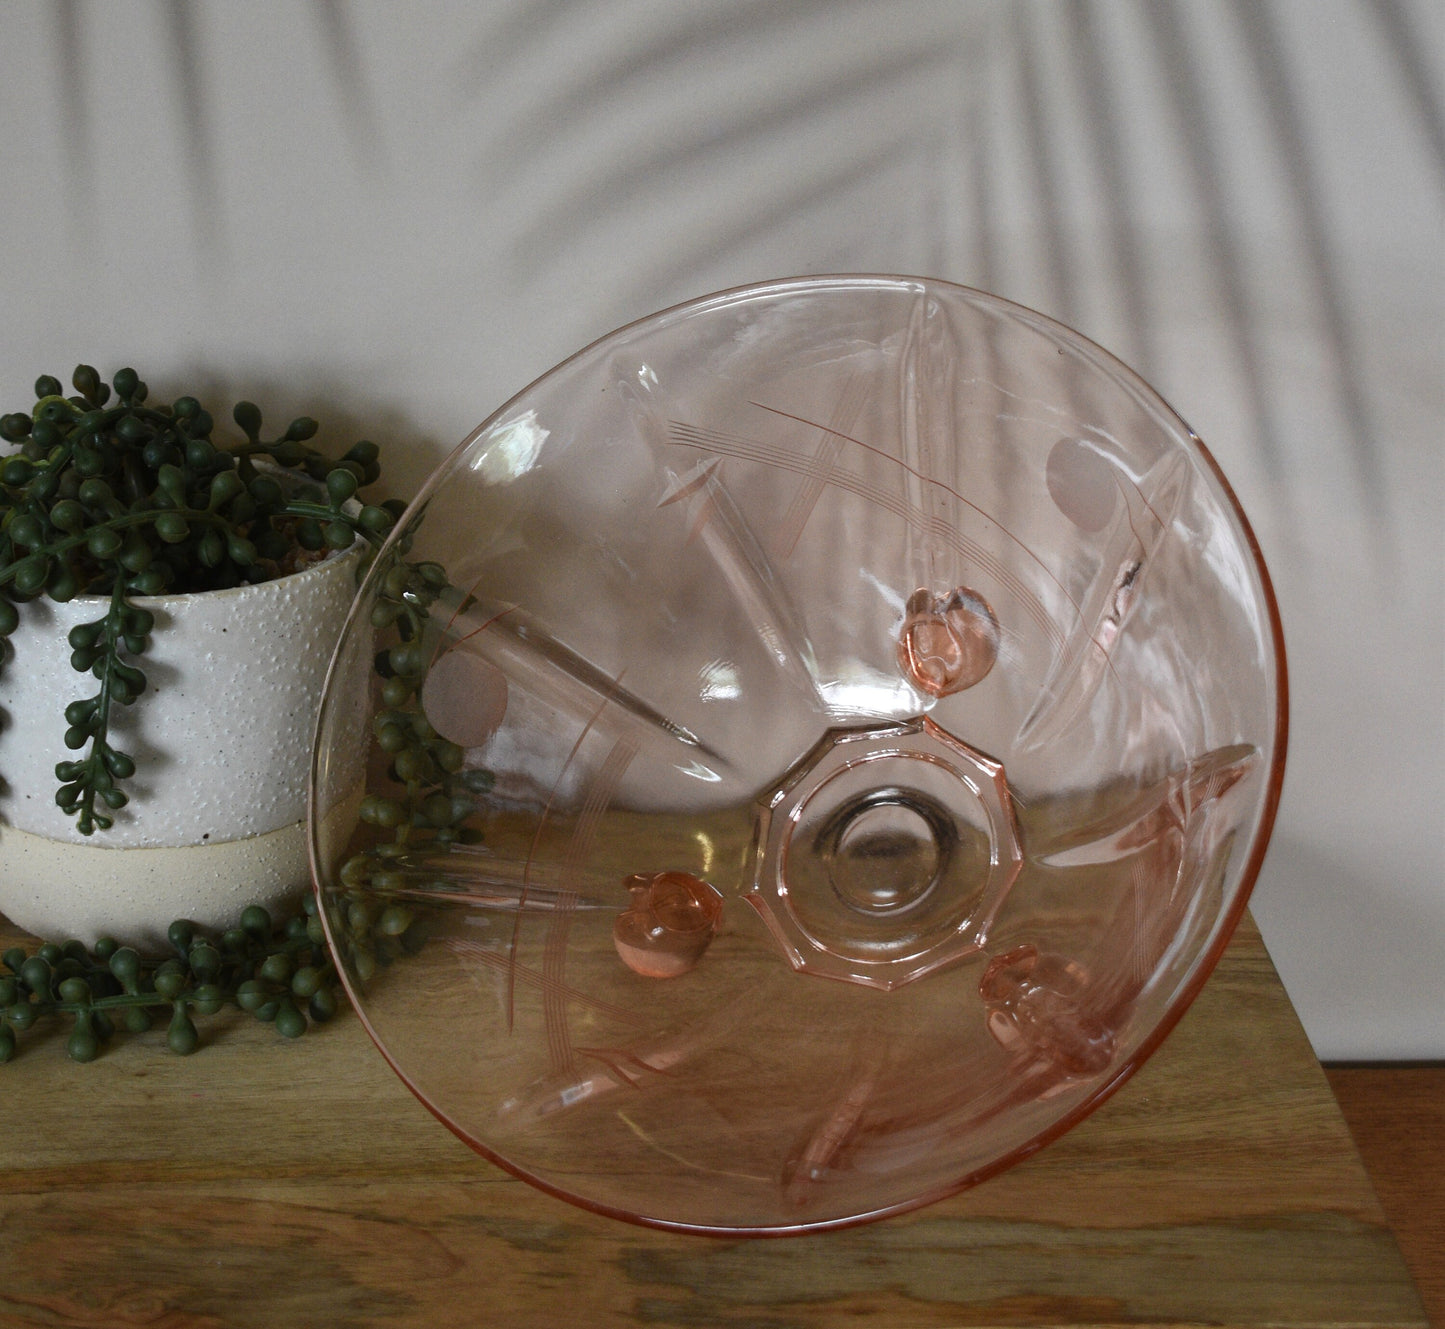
(884, 854)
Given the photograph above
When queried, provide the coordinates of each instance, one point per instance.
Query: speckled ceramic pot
(221, 740)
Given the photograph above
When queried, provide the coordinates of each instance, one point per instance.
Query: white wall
(394, 216)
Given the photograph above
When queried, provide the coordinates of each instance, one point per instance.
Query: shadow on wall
(74, 39)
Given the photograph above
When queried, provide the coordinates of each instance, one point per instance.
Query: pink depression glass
(825, 733)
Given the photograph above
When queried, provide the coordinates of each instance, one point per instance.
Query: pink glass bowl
(799, 756)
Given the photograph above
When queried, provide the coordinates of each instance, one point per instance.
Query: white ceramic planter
(221, 739)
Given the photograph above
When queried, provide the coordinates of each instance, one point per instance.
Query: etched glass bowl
(799, 755)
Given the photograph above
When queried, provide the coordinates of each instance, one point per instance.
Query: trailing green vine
(431, 806)
(280, 974)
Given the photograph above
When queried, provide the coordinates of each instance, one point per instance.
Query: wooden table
(264, 1184)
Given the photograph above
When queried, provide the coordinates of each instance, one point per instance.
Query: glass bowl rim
(1203, 964)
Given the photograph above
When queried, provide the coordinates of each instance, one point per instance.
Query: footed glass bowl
(829, 731)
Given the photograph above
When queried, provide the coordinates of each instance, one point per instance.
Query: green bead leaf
(376, 520)
(240, 550)
(83, 1045)
(67, 515)
(340, 486)
(266, 493)
(63, 584)
(256, 922)
(248, 416)
(17, 470)
(86, 382)
(322, 1006)
(200, 454)
(35, 974)
(172, 481)
(290, 1023)
(31, 574)
(83, 636)
(340, 535)
(137, 1019)
(181, 933)
(181, 1037)
(132, 429)
(224, 487)
(15, 427)
(169, 981)
(103, 543)
(172, 527)
(125, 965)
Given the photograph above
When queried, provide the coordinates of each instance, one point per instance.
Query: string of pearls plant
(280, 975)
(126, 500)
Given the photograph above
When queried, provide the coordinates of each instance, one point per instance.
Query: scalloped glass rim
(1203, 963)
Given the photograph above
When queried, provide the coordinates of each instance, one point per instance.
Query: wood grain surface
(1397, 1116)
(263, 1184)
